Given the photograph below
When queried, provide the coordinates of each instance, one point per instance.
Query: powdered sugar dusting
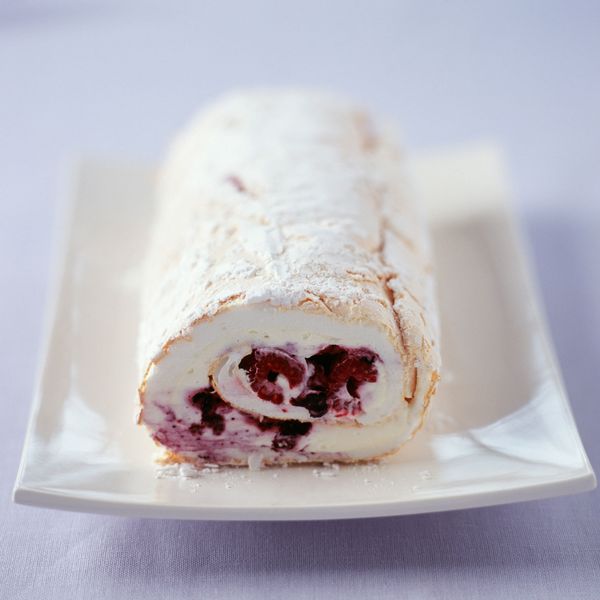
(285, 217)
(316, 216)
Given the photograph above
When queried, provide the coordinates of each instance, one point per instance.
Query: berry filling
(329, 381)
(213, 409)
(336, 375)
(289, 433)
(264, 366)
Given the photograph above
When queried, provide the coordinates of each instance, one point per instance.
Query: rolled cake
(288, 309)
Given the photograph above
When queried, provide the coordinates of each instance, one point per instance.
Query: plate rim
(40, 497)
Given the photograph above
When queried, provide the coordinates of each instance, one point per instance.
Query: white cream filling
(215, 346)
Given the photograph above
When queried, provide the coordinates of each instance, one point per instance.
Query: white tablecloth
(115, 78)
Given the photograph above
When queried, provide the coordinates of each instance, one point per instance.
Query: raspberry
(324, 363)
(264, 365)
(353, 369)
(333, 368)
(315, 403)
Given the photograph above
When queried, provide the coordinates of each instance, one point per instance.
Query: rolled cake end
(288, 386)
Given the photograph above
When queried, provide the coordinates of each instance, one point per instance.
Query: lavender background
(116, 78)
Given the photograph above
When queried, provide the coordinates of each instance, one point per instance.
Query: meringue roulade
(288, 309)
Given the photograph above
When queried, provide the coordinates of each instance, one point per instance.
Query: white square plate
(500, 430)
